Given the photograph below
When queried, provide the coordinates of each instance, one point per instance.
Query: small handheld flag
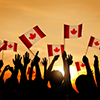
(72, 31)
(32, 36)
(10, 46)
(55, 49)
(79, 65)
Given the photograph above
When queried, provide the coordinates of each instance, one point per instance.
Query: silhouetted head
(55, 78)
(1, 63)
(83, 85)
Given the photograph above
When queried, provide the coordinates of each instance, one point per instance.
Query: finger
(13, 61)
(37, 53)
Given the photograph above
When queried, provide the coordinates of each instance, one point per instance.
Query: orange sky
(17, 17)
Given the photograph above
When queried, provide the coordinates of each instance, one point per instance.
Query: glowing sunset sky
(19, 16)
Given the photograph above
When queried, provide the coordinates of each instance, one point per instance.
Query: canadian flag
(72, 31)
(32, 36)
(94, 42)
(28, 72)
(55, 50)
(10, 46)
(2, 45)
(79, 65)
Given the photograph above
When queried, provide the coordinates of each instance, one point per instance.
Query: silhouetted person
(59, 84)
(85, 83)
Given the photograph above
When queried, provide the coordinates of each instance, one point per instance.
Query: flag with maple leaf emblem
(32, 36)
(55, 50)
(10, 46)
(94, 42)
(2, 45)
(79, 65)
(72, 31)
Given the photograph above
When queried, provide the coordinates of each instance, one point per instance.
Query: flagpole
(86, 50)
(2, 54)
(31, 52)
(64, 44)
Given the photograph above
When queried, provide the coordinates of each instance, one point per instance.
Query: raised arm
(52, 63)
(96, 66)
(89, 72)
(44, 62)
(36, 62)
(67, 61)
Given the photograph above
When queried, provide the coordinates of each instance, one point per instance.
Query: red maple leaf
(10, 46)
(96, 43)
(56, 49)
(82, 65)
(74, 31)
(32, 36)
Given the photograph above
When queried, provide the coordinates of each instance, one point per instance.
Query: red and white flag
(94, 42)
(79, 65)
(55, 50)
(2, 45)
(72, 31)
(28, 72)
(32, 36)
(10, 46)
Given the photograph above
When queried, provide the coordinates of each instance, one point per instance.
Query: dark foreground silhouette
(61, 87)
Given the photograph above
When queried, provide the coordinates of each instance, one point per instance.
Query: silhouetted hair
(55, 78)
(82, 84)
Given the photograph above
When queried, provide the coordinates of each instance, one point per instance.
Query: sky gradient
(17, 17)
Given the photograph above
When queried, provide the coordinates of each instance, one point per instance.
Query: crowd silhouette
(61, 86)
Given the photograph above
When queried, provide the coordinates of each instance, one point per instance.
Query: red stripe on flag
(62, 49)
(77, 66)
(80, 30)
(25, 41)
(91, 41)
(2, 48)
(66, 31)
(50, 52)
(40, 33)
(15, 47)
(5, 48)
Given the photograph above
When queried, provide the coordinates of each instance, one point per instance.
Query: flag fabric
(55, 50)
(72, 31)
(10, 46)
(94, 42)
(32, 36)
(2, 45)
(79, 65)
(28, 72)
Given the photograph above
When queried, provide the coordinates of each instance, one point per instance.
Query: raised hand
(69, 59)
(44, 62)
(64, 55)
(36, 58)
(26, 59)
(85, 59)
(17, 61)
(55, 57)
(96, 61)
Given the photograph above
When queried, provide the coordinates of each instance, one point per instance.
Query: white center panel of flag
(10, 45)
(96, 43)
(32, 36)
(73, 31)
(56, 50)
